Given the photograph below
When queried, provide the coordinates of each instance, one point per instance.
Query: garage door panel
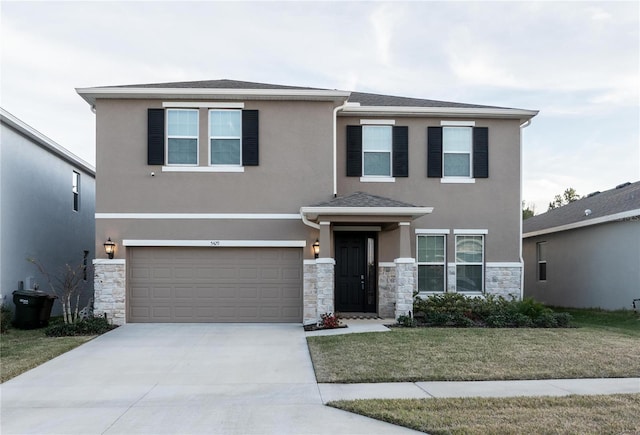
(214, 285)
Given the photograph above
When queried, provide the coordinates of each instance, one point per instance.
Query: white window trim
(202, 105)
(217, 165)
(458, 179)
(443, 234)
(434, 232)
(471, 232)
(378, 178)
(212, 168)
(482, 264)
(458, 123)
(197, 138)
(377, 122)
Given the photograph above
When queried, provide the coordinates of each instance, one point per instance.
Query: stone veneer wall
(386, 290)
(505, 281)
(109, 286)
(406, 283)
(318, 290)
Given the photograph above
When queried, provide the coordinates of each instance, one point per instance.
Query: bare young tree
(67, 286)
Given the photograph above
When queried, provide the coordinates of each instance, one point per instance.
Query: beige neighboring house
(217, 195)
(586, 254)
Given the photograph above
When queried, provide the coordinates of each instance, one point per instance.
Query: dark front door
(355, 272)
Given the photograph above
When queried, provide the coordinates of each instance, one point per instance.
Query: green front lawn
(437, 354)
(22, 350)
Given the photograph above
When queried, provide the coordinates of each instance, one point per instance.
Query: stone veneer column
(109, 288)
(406, 280)
(386, 290)
(325, 285)
(503, 279)
(310, 293)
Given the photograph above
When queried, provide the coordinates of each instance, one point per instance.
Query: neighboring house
(47, 208)
(217, 193)
(586, 253)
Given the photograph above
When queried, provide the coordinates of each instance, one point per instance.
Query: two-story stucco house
(232, 201)
(47, 208)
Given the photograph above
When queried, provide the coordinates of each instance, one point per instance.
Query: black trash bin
(33, 308)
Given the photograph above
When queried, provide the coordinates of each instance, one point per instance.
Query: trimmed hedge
(457, 310)
(89, 326)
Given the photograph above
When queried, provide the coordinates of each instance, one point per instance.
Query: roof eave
(458, 112)
(91, 94)
(596, 221)
(312, 213)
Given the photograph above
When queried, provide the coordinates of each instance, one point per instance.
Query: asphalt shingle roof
(365, 99)
(624, 197)
(361, 199)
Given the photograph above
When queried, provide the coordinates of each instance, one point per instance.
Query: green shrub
(458, 310)
(5, 318)
(407, 321)
(90, 326)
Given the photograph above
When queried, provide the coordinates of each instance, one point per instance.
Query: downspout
(522, 126)
(335, 148)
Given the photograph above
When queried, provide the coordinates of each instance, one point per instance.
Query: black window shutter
(155, 137)
(434, 152)
(400, 151)
(354, 151)
(250, 152)
(481, 152)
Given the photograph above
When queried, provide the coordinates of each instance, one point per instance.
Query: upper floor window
(469, 263)
(225, 137)
(75, 190)
(376, 150)
(541, 257)
(456, 151)
(182, 137)
(431, 263)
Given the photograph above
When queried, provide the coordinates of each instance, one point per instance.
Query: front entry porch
(348, 277)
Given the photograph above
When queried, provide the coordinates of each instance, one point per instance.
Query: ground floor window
(431, 262)
(541, 257)
(469, 263)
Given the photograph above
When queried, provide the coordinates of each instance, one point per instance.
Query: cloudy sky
(577, 62)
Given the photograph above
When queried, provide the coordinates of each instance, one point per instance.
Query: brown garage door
(214, 285)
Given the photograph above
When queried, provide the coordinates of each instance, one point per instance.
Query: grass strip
(605, 414)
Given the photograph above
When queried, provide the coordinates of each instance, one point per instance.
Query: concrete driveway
(180, 379)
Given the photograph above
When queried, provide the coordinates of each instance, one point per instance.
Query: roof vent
(620, 186)
(587, 212)
(593, 194)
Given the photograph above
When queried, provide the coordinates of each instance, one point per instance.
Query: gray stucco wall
(595, 266)
(37, 218)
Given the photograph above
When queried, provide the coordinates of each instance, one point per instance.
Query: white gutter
(467, 112)
(522, 126)
(307, 222)
(90, 94)
(366, 211)
(335, 147)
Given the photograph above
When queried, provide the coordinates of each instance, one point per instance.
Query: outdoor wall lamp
(109, 247)
(316, 248)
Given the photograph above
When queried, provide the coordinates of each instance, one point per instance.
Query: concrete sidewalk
(427, 390)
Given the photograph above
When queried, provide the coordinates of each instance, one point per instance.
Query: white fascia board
(49, 144)
(217, 243)
(601, 220)
(258, 216)
(367, 211)
(90, 94)
(463, 112)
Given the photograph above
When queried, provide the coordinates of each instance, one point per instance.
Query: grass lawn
(22, 350)
(614, 414)
(603, 346)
